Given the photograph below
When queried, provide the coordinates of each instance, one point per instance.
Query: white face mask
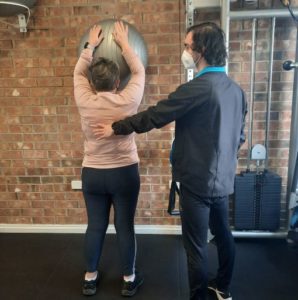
(187, 60)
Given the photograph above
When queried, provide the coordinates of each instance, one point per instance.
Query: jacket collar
(210, 69)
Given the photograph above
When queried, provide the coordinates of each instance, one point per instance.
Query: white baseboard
(139, 229)
(73, 228)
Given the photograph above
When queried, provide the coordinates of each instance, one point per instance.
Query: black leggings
(101, 189)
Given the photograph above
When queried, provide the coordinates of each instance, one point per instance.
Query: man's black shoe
(89, 286)
(129, 288)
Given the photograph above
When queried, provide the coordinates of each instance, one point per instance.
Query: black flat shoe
(89, 286)
(129, 288)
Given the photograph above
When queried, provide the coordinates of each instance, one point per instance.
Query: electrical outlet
(76, 184)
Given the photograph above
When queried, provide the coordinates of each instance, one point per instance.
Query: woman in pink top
(110, 173)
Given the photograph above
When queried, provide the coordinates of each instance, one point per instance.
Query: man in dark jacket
(210, 115)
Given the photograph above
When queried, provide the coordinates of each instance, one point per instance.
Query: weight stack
(257, 201)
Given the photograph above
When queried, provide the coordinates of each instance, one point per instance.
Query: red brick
(3, 204)
(44, 220)
(150, 213)
(55, 212)
(20, 72)
(6, 62)
(52, 179)
(160, 204)
(10, 212)
(71, 219)
(142, 221)
(52, 196)
(5, 44)
(164, 221)
(50, 82)
(18, 204)
(19, 220)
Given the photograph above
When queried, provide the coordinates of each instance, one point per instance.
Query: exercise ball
(109, 49)
(15, 7)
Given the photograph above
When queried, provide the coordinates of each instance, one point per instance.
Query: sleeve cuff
(116, 127)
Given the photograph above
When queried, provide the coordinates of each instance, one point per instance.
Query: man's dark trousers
(197, 214)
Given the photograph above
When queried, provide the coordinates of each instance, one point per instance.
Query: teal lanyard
(210, 69)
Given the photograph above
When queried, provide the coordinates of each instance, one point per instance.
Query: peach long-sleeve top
(107, 107)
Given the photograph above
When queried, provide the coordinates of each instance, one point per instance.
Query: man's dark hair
(209, 40)
(104, 74)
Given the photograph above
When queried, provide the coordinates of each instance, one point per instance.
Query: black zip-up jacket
(210, 116)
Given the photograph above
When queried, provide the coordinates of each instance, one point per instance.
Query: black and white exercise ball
(15, 7)
(109, 49)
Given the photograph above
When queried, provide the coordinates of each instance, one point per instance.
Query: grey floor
(50, 267)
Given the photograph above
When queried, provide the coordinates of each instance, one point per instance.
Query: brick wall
(40, 135)
(41, 141)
